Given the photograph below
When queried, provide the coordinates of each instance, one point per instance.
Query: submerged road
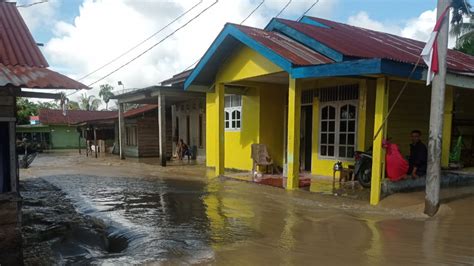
(112, 212)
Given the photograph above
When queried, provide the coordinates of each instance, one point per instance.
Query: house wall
(193, 109)
(410, 113)
(273, 98)
(243, 64)
(64, 137)
(147, 136)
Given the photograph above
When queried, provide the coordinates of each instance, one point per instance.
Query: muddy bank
(54, 233)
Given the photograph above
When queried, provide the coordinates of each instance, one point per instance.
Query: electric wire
(253, 11)
(283, 9)
(142, 42)
(32, 4)
(156, 44)
(307, 10)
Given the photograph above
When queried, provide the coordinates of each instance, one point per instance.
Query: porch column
(293, 153)
(361, 117)
(378, 165)
(219, 122)
(121, 121)
(447, 125)
(95, 142)
(162, 128)
(14, 171)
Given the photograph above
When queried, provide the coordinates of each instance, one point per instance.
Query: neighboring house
(314, 91)
(58, 131)
(188, 117)
(182, 117)
(22, 65)
(140, 134)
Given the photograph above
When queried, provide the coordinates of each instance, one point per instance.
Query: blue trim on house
(400, 69)
(310, 21)
(359, 67)
(294, 34)
(346, 68)
(231, 30)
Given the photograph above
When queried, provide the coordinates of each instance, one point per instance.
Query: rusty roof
(22, 64)
(358, 42)
(56, 117)
(293, 51)
(36, 77)
(17, 46)
(177, 79)
(114, 114)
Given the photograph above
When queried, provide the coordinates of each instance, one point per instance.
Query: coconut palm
(106, 93)
(89, 103)
(462, 23)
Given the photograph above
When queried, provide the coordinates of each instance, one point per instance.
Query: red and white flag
(430, 51)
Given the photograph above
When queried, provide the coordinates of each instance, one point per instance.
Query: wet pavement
(107, 211)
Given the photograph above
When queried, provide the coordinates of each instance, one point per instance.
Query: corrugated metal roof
(36, 77)
(17, 46)
(363, 43)
(178, 78)
(56, 117)
(114, 114)
(293, 51)
(21, 62)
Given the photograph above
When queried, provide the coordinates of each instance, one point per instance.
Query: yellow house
(315, 91)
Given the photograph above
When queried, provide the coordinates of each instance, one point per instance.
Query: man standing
(418, 156)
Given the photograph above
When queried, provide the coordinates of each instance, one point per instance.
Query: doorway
(306, 133)
(5, 164)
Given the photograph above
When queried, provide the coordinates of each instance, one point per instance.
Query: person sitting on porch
(418, 156)
(183, 150)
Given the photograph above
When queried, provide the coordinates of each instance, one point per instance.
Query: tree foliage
(27, 108)
(89, 102)
(106, 93)
(462, 25)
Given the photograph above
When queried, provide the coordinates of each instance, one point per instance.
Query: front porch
(310, 124)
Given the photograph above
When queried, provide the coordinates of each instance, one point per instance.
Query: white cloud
(363, 20)
(39, 15)
(106, 28)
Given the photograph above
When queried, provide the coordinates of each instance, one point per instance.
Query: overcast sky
(81, 35)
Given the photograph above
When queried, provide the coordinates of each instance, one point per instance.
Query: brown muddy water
(84, 218)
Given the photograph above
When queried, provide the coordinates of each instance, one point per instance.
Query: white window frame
(230, 124)
(337, 105)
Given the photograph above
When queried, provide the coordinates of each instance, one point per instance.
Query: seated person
(418, 156)
(183, 150)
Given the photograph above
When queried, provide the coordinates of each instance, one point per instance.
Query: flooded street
(121, 215)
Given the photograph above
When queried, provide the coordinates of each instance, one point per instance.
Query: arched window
(233, 112)
(338, 129)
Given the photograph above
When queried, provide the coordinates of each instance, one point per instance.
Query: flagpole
(438, 87)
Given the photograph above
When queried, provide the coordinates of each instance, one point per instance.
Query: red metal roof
(363, 43)
(293, 51)
(140, 110)
(178, 78)
(36, 77)
(17, 46)
(21, 62)
(56, 117)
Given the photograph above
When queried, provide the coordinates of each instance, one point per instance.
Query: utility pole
(438, 88)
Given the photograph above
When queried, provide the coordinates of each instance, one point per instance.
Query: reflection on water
(228, 222)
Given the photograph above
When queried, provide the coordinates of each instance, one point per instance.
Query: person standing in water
(418, 159)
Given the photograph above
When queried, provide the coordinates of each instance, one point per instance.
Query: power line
(154, 45)
(32, 4)
(307, 10)
(283, 9)
(253, 11)
(142, 42)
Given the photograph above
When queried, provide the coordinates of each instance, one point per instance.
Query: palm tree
(73, 105)
(89, 103)
(106, 93)
(461, 29)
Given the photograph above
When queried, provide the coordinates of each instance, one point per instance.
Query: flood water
(176, 221)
